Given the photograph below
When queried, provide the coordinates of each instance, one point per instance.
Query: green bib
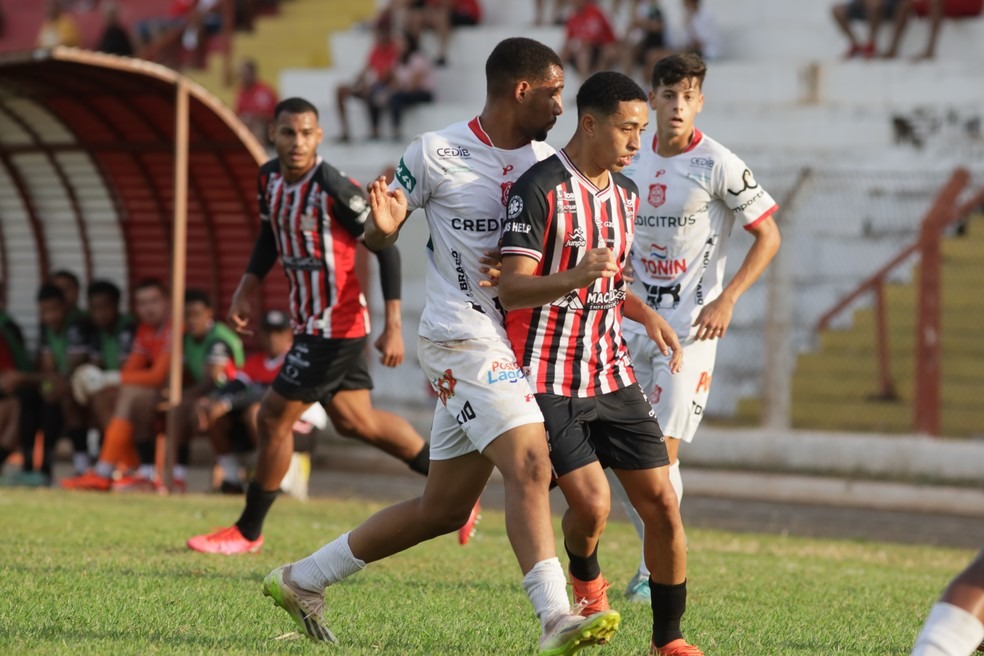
(196, 352)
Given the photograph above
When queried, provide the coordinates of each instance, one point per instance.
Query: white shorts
(678, 399)
(482, 393)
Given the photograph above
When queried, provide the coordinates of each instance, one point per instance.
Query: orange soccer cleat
(226, 541)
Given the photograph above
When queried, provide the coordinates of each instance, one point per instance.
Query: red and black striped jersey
(318, 222)
(573, 346)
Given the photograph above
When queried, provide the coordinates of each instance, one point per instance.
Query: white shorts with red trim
(678, 399)
(482, 393)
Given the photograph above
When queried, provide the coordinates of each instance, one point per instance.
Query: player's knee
(661, 510)
(592, 512)
(270, 424)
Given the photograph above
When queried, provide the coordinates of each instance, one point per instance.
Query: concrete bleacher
(785, 100)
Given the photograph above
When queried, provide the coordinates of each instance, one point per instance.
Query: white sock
(80, 462)
(546, 586)
(949, 631)
(229, 462)
(104, 469)
(179, 473)
(676, 480)
(331, 563)
(147, 471)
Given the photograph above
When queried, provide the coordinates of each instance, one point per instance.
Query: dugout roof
(87, 177)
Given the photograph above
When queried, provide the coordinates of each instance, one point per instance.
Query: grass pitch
(109, 574)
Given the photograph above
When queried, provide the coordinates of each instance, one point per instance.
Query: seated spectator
(644, 43)
(441, 16)
(410, 83)
(935, 11)
(590, 45)
(378, 67)
(64, 346)
(128, 439)
(872, 11)
(58, 27)
(556, 17)
(213, 353)
(111, 339)
(703, 36)
(19, 401)
(114, 39)
(69, 284)
(192, 18)
(255, 102)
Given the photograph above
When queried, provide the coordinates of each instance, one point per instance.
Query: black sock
(421, 462)
(669, 603)
(184, 455)
(584, 568)
(4, 454)
(147, 451)
(80, 439)
(258, 502)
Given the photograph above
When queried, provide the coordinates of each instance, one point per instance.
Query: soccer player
(312, 218)
(128, 440)
(485, 415)
(955, 626)
(569, 228)
(693, 190)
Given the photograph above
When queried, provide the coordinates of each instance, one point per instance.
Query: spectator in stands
(645, 41)
(111, 340)
(141, 382)
(557, 16)
(935, 11)
(703, 35)
(371, 79)
(410, 83)
(590, 45)
(228, 413)
(58, 27)
(442, 16)
(64, 346)
(255, 102)
(186, 24)
(114, 39)
(872, 11)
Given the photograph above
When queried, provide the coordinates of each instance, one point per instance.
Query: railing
(171, 39)
(943, 212)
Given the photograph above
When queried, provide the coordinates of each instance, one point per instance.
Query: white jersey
(462, 181)
(689, 204)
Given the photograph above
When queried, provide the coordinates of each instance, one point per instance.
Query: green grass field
(101, 574)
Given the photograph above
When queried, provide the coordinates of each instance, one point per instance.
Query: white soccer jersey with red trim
(462, 182)
(689, 206)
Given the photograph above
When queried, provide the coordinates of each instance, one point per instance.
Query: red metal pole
(881, 341)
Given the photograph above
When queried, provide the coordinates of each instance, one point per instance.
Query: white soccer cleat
(569, 633)
(306, 608)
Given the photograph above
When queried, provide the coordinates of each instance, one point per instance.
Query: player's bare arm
(656, 327)
(520, 287)
(390, 342)
(241, 307)
(389, 212)
(714, 318)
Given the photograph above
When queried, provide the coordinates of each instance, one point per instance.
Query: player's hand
(390, 347)
(628, 272)
(714, 318)
(240, 311)
(491, 267)
(389, 207)
(666, 341)
(596, 263)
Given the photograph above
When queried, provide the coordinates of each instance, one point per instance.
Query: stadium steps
(836, 386)
(294, 37)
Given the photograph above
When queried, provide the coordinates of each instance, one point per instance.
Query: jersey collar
(479, 131)
(694, 140)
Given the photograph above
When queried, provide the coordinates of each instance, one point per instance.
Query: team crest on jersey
(657, 194)
(576, 239)
(515, 207)
(444, 386)
(308, 221)
(506, 186)
(572, 301)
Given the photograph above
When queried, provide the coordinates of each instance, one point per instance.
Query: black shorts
(315, 368)
(617, 429)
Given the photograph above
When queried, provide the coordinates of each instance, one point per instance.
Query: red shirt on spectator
(470, 8)
(590, 26)
(382, 59)
(258, 100)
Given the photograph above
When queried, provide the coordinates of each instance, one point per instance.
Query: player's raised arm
(389, 212)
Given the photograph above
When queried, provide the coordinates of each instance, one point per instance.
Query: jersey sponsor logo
(516, 226)
(748, 183)
(504, 371)
(658, 252)
(660, 263)
(507, 169)
(460, 270)
(652, 221)
(704, 384)
(357, 204)
(748, 203)
(705, 261)
(467, 414)
(576, 239)
(404, 177)
(444, 386)
(515, 207)
(571, 301)
(697, 408)
(702, 162)
(453, 151)
(301, 263)
(604, 300)
(476, 225)
(659, 173)
(656, 293)
(506, 186)
(657, 194)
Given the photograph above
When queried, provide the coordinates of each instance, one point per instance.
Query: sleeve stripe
(769, 212)
(519, 250)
